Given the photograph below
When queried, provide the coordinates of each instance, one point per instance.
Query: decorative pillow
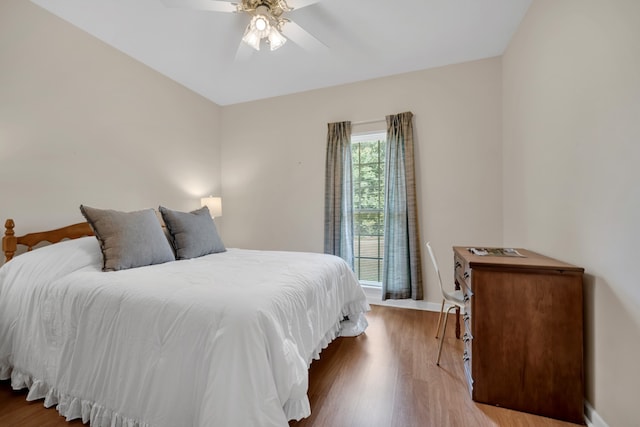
(194, 234)
(128, 239)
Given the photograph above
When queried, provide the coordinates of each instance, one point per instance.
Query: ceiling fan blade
(298, 4)
(301, 37)
(210, 5)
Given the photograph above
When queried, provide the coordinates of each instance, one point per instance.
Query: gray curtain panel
(338, 199)
(402, 267)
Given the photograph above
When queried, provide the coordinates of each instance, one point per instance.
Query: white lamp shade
(252, 39)
(276, 40)
(214, 204)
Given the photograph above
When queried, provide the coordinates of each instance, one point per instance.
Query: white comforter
(221, 340)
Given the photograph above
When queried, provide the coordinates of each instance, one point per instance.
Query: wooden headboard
(10, 242)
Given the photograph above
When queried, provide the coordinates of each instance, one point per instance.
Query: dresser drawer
(467, 338)
(468, 308)
(466, 318)
(462, 272)
(467, 373)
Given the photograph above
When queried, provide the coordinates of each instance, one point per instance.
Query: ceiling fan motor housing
(275, 7)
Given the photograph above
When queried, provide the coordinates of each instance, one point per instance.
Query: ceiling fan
(267, 22)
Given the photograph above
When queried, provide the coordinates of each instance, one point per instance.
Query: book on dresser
(523, 335)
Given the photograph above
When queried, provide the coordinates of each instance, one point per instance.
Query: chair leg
(439, 319)
(444, 331)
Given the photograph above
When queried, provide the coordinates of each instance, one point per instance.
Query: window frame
(357, 138)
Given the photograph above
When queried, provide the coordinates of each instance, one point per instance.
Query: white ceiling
(365, 39)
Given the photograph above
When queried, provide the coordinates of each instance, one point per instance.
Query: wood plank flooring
(386, 377)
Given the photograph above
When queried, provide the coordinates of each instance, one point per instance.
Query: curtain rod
(366, 122)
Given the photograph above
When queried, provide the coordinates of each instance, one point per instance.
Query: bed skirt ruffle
(353, 323)
(70, 407)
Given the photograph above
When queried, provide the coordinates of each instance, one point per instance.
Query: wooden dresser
(523, 332)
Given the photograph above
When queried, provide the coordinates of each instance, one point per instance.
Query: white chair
(455, 299)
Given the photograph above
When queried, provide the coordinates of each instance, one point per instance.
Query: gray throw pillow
(194, 234)
(128, 239)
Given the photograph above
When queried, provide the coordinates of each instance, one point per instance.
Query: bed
(224, 339)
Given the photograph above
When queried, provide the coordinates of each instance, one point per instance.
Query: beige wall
(83, 123)
(571, 121)
(273, 159)
(537, 149)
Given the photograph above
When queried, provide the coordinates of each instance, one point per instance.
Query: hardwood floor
(15, 411)
(386, 377)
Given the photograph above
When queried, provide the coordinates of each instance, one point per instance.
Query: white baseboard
(374, 297)
(592, 418)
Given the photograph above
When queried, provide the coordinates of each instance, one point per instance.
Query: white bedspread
(221, 340)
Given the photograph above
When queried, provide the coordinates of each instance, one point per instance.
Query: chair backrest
(435, 265)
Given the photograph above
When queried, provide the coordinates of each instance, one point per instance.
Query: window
(368, 153)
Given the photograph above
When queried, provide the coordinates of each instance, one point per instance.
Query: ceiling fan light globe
(261, 23)
(252, 39)
(260, 26)
(276, 39)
